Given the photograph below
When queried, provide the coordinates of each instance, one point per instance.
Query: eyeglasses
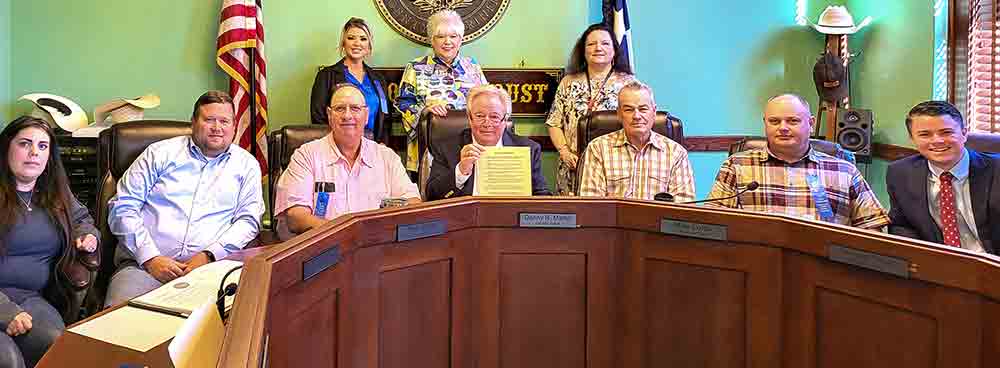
(480, 118)
(342, 109)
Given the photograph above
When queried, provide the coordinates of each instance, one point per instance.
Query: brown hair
(208, 98)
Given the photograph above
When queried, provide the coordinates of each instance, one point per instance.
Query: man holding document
(486, 159)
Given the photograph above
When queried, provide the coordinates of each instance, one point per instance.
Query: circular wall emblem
(409, 17)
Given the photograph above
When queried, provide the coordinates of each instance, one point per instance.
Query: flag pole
(252, 106)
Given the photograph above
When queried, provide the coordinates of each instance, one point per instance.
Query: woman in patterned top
(437, 82)
(595, 73)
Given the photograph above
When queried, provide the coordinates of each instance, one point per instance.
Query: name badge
(322, 202)
(818, 193)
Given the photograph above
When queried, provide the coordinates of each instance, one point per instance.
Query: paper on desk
(504, 171)
(199, 341)
(185, 294)
(134, 328)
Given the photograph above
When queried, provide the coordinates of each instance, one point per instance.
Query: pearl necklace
(27, 204)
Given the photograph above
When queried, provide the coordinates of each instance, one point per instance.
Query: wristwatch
(211, 257)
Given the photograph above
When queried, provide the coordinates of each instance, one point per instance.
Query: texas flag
(623, 31)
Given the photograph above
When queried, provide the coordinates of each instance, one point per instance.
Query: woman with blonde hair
(356, 45)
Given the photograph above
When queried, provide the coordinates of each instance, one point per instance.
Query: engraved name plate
(694, 229)
(872, 261)
(556, 220)
(421, 230)
(320, 262)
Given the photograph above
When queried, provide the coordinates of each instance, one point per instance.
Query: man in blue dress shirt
(185, 202)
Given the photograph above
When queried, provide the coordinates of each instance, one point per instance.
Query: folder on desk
(183, 295)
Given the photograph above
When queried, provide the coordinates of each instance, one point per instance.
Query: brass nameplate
(421, 230)
(872, 261)
(531, 89)
(555, 220)
(694, 229)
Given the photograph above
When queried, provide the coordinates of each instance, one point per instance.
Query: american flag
(623, 30)
(241, 40)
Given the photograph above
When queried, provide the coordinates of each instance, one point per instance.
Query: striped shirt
(784, 188)
(614, 167)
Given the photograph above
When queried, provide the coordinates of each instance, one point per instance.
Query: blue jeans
(26, 350)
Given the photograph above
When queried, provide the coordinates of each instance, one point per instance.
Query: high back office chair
(119, 146)
(604, 122)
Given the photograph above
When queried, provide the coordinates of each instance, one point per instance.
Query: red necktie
(949, 222)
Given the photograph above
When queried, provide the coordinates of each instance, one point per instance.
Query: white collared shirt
(963, 201)
(460, 178)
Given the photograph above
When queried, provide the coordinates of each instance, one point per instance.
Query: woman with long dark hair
(42, 227)
(596, 71)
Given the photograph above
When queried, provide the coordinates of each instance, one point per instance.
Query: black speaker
(854, 132)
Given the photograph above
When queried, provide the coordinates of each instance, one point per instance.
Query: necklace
(27, 204)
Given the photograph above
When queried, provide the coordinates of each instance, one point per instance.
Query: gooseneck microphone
(753, 185)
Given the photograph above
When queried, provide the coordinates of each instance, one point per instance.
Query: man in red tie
(944, 195)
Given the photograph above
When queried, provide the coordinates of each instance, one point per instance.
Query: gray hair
(638, 86)
(442, 17)
(794, 97)
(490, 90)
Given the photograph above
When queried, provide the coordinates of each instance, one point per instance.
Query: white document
(185, 294)
(147, 329)
(199, 341)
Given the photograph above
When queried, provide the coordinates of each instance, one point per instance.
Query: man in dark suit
(943, 195)
(452, 170)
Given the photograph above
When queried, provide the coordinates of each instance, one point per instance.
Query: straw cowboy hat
(122, 109)
(58, 111)
(836, 20)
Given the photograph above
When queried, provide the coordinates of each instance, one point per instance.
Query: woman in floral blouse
(595, 73)
(437, 82)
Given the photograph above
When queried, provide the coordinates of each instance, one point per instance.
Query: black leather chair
(827, 147)
(433, 128)
(984, 142)
(282, 143)
(604, 122)
(118, 147)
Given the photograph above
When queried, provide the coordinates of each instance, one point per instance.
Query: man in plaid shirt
(794, 179)
(636, 162)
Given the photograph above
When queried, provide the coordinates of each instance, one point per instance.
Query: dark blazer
(441, 181)
(333, 75)
(906, 181)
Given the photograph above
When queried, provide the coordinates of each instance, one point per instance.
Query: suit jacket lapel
(980, 179)
(507, 139)
(469, 184)
(918, 186)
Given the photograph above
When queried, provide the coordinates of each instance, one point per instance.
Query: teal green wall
(894, 70)
(5, 52)
(92, 52)
(709, 64)
(127, 48)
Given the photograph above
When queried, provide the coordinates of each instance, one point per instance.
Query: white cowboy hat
(58, 111)
(836, 20)
(122, 109)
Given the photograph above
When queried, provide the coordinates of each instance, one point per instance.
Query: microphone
(663, 197)
(753, 185)
(224, 291)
